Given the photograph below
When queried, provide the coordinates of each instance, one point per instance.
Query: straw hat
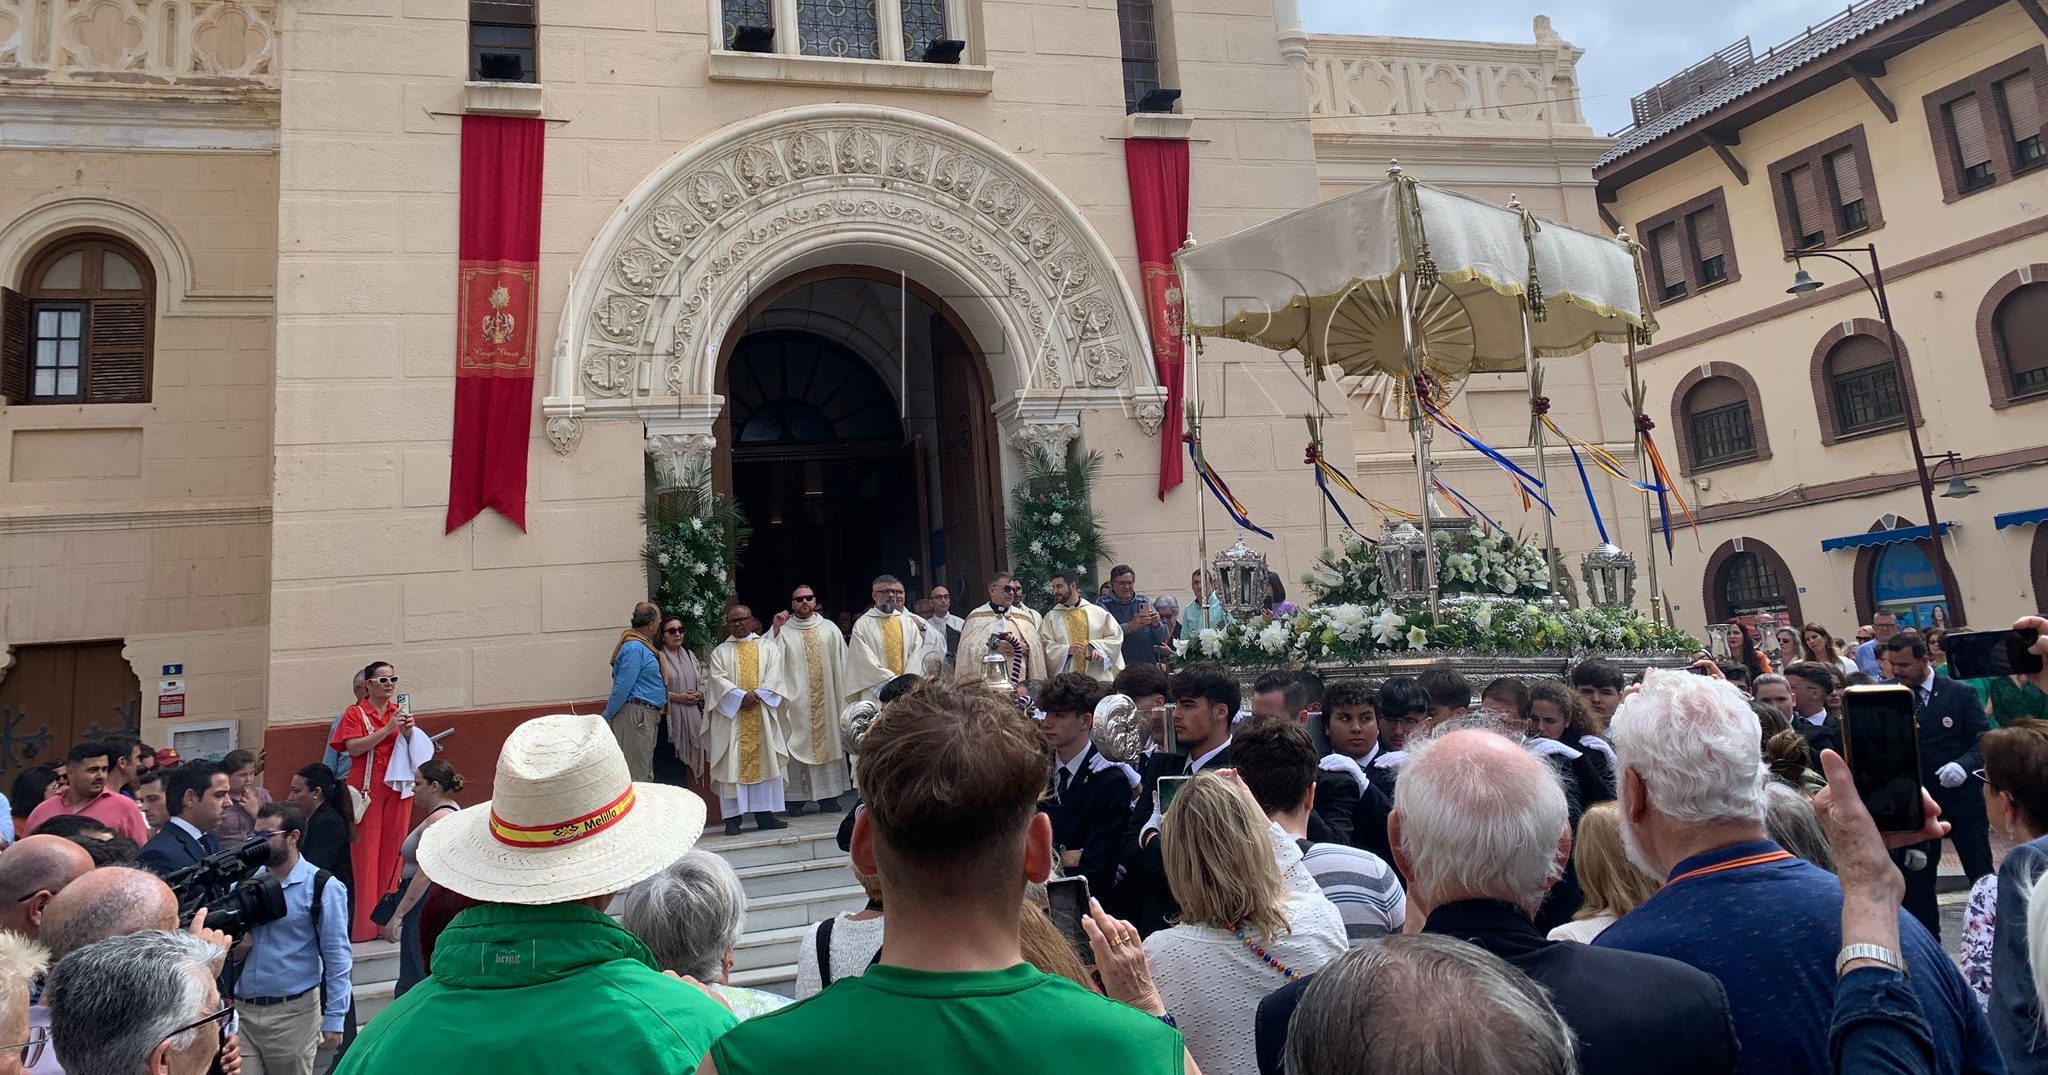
(568, 822)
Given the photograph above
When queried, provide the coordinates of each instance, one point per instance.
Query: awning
(2020, 518)
(1880, 537)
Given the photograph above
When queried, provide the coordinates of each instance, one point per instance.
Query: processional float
(1412, 289)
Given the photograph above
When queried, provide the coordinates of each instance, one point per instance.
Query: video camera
(222, 883)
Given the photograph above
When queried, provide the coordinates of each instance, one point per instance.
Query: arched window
(80, 330)
(2020, 326)
(1863, 385)
(791, 388)
(1749, 585)
(1719, 424)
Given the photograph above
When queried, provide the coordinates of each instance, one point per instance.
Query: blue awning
(2020, 518)
(1880, 537)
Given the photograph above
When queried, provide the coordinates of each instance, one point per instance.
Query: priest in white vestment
(813, 658)
(1004, 620)
(888, 641)
(748, 752)
(1079, 636)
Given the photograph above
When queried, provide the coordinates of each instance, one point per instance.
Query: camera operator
(293, 990)
(195, 794)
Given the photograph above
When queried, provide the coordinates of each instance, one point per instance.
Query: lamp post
(1804, 284)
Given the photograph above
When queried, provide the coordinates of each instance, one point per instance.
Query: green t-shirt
(2013, 701)
(890, 1020)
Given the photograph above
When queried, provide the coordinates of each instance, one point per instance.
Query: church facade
(848, 261)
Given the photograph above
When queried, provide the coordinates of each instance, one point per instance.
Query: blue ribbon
(1221, 492)
(1587, 484)
(1527, 480)
(1323, 483)
(1470, 507)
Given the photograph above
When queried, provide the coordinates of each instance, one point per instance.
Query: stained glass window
(924, 21)
(740, 13)
(843, 28)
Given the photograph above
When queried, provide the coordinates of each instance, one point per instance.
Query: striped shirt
(1365, 889)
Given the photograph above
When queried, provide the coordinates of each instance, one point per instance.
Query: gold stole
(1077, 625)
(814, 680)
(747, 671)
(892, 643)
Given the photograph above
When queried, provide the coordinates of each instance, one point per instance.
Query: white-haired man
(140, 1004)
(1482, 831)
(1737, 905)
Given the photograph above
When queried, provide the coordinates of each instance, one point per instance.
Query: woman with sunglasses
(684, 728)
(367, 732)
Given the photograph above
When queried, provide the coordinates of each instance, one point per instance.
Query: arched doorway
(1904, 583)
(857, 437)
(1746, 580)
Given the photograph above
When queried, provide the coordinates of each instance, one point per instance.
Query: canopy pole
(1659, 612)
(1193, 424)
(1404, 195)
(1536, 441)
(1315, 389)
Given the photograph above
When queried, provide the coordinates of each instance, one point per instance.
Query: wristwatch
(1873, 952)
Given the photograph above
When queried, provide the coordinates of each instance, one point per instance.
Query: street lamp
(1958, 486)
(1803, 283)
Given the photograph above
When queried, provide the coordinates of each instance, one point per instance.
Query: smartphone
(1881, 743)
(1983, 654)
(1066, 900)
(1169, 786)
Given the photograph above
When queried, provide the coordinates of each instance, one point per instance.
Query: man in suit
(1951, 720)
(1205, 698)
(1481, 829)
(1812, 684)
(941, 618)
(1282, 695)
(195, 796)
(1090, 796)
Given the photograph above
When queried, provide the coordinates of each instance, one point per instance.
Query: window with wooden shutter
(1719, 423)
(1809, 215)
(1965, 119)
(14, 338)
(2021, 323)
(1671, 274)
(83, 331)
(1709, 244)
(2021, 104)
(1846, 174)
(1138, 38)
(1865, 385)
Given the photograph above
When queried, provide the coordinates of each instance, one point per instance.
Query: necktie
(209, 843)
(1066, 781)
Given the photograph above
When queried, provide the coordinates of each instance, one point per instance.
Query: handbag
(387, 904)
(359, 797)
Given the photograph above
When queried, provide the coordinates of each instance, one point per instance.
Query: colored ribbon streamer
(1231, 504)
(1469, 507)
(1323, 483)
(1643, 427)
(1325, 472)
(1521, 477)
(1601, 457)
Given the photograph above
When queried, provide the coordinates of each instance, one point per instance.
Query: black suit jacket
(1090, 818)
(1143, 896)
(1951, 723)
(1330, 821)
(1623, 1011)
(1827, 735)
(170, 850)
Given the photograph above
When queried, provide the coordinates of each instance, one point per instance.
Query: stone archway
(674, 268)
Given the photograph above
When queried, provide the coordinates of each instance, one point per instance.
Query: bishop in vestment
(748, 752)
(813, 658)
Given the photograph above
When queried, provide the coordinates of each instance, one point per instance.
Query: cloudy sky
(1630, 45)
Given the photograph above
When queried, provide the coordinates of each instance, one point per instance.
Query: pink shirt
(115, 811)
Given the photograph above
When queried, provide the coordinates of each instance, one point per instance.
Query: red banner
(499, 250)
(1158, 170)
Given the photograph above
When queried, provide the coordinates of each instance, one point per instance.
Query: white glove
(1951, 775)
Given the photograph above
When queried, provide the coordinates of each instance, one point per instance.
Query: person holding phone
(1091, 795)
(1950, 723)
(366, 734)
(2017, 697)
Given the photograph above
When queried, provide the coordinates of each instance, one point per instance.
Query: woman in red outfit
(366, 732)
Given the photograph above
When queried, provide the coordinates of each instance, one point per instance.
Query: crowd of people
(1420, 874)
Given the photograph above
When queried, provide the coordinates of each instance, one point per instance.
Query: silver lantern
(1241, 580)
(1404, 562)
(1610, 574)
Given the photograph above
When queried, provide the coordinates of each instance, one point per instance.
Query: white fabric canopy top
(1324, 281)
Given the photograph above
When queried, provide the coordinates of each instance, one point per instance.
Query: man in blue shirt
(639, 697)
(293, 991)
(1144, 633)
(339, 760)
(1735, 904)
(1870, 654)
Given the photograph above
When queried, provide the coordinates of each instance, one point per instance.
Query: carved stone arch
(792, 190)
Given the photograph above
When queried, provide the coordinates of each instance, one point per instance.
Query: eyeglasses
(891, 593)
(802, 597)
(1979, 774)
(32, 1049)
(1407, 721)
(1013, 588)
(671, 630)
(385, 680)
(230, 1024)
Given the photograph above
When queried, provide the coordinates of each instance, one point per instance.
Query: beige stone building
(1913, 127)
(795, 245)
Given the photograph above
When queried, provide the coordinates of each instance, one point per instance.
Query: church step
(370, 999)
(803, 908)
(803, 876)
(768, 948)
(375, 961)
(768, 848)
(780, 978)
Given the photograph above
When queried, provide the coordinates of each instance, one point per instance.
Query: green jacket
(544, 990)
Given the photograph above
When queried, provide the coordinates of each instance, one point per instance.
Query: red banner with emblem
(499, 251)
(1158, 169)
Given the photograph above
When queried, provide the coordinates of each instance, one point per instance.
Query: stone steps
(793, 878)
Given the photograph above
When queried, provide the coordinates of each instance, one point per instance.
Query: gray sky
(1630, 45)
